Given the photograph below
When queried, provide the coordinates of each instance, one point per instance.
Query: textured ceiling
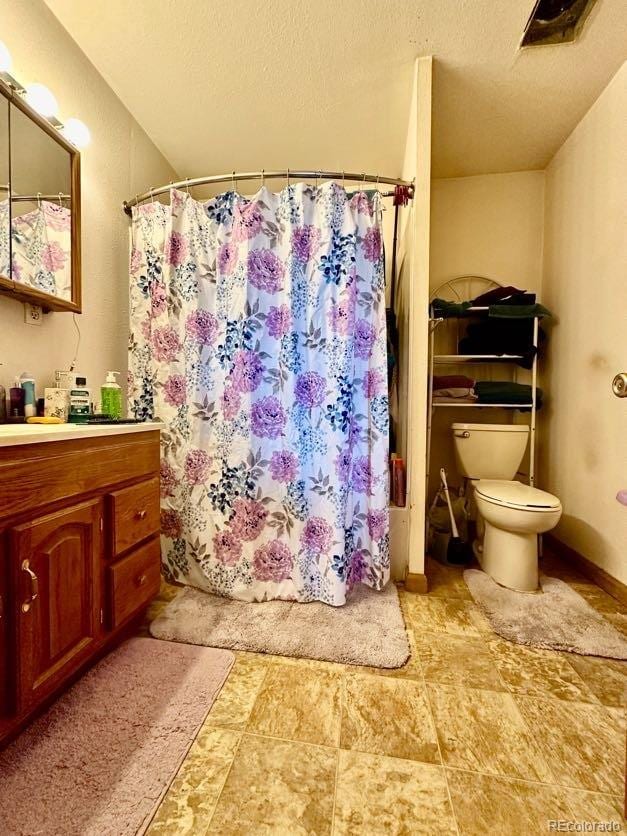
(326, 84)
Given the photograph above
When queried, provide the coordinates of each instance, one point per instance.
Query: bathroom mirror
(42, 195)
(5, 254)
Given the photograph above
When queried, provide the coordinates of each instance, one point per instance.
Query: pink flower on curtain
(168, 480)
(248, 520)
(305, 241)
(176, 249)
(374, 383)
(278, 321)
(247, 371)
(197, 464)
(53, 257)
(343, 465)
(372, 244)
(310, 389)
(377, 523)
(158, 298)
(342, 318)
(202, 327)
(273, 562)
(231, 402)
(268, 417)
(165, 344)
(174, 390)
(365, 335)
(136, 260)
(357, 565)
(171, 525)
(265, 270)
(247, 221)
(283, 466)
(227, 549)
(362, 475)
(317, 535)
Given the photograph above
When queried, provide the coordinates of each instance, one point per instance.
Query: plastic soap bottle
(111, 396)
(27, 382)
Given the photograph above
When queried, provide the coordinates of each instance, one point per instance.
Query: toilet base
(509, 557)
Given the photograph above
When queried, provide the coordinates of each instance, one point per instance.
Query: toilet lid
(516, 495)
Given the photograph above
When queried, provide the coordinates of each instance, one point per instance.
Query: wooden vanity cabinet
(79, 559)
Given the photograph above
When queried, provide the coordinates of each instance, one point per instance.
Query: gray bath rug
(368, 630)
(556, 618)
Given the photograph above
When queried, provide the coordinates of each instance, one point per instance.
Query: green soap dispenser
(111, 396)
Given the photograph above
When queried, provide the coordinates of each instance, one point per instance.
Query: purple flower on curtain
(136, 260)
(53, 257)
(197, 463)
(168, 481)
(279, 321)
(374, 383)
(342, 318)
(360, 202)
(305, 240)
(227, 258)
(171, 525)
(268, 417)
(158, 298)
(227, 548)
(176, 249)
(377, 523)
(249, 519)
(165, 344)
(231, 402)
(273, 562)
(202, 327)
(174, 390)
(357, 564)
(247, 221)
(310, 389)
(265, 270)
(317, 535)
(372, 244)
(362, 475)
(283, 466)
(365, 335)
(343, 465)
(247, 371)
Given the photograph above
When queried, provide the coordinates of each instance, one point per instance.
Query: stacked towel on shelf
(451, 388)
(507, 392)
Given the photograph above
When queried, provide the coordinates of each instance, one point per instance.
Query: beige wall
(584, 454)
(489, 225)
(120, 161)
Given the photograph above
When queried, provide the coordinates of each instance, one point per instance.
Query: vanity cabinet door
(56, 570)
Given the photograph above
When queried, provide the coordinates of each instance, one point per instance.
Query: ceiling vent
(556, 22)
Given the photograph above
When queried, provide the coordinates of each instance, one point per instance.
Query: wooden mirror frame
(14, 289)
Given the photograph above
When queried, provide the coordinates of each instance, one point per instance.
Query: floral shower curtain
(258, 337)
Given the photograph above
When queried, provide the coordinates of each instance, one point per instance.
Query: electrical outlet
(33, 314)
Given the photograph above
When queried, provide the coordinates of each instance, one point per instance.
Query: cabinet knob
(34, 586)
(141, 580)
(141, 515)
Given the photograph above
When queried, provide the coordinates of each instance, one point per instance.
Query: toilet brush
(457, 551)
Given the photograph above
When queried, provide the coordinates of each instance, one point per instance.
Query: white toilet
(510, 514)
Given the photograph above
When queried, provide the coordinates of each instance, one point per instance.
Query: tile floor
(473, 736)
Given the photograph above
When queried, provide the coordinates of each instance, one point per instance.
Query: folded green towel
(504, 391)
(442, 307)
(518, 311)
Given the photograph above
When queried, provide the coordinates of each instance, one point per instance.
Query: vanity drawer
(133, 581)
(134, 514)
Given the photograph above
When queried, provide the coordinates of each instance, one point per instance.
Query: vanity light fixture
(77, 133)
(41, 99)
(6, 63)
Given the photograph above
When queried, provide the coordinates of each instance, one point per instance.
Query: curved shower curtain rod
(236, 176)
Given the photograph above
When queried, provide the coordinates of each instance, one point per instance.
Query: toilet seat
(517, 496)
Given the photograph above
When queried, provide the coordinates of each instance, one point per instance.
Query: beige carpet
(557, 618)
(368, 630)
(98, 762)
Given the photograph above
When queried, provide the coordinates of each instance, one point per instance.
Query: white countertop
(12, 434)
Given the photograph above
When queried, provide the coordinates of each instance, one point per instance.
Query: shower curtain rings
(152, 197)
(60, 200)
(39, 200)
(187, 185)
(288, 178)
(263, 178)
(233, 181)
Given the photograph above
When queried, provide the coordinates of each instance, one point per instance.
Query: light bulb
(76, 132)
(41, 99)
(6, 61)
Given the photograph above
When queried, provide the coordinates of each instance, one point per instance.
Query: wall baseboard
(599, 576)
(416, 582)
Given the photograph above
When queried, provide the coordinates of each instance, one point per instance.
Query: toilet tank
(489, 451)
